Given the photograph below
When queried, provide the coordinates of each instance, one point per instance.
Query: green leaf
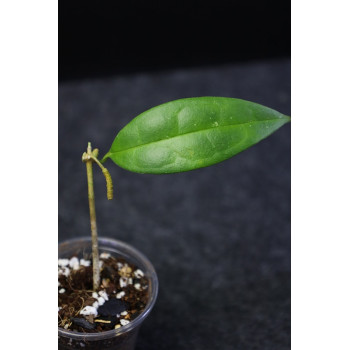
(192, 133)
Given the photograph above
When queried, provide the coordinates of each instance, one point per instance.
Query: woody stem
(94, 239)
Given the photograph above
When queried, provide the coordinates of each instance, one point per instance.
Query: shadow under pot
(109, 318)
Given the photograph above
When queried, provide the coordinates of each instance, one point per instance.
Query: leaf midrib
(193, 132)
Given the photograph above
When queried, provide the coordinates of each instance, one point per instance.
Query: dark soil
(123, 283)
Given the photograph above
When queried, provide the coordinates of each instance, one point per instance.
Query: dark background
(99, 38)
(219, 237)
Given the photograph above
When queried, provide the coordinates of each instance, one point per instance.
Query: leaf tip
(286, 118)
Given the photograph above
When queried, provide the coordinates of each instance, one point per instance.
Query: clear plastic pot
(123, 338)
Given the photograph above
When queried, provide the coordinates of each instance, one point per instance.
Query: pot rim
(140, 318)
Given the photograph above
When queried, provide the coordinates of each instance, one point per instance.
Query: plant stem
(94, 240)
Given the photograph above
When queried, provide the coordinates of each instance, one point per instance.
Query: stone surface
(112, 307)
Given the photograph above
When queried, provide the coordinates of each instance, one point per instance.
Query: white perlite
(123, 282)
(124, 313)
(95, 295)
(105, 255)
(124, 322)
(64, 271)
(103, 294)
(74, 263)
(84, 262)
(63, 262)
(101, 301)
(120, 295)
(88, 310)
(137, 286)
(61, 291)
(138, 273)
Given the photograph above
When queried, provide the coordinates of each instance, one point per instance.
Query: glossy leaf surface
(192, 133)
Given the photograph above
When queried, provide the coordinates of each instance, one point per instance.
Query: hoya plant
(179, 136)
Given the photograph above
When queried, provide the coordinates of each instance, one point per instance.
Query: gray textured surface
(219, 237)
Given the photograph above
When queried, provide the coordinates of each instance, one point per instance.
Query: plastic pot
(123, 338)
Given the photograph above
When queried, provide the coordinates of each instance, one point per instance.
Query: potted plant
(107, 288)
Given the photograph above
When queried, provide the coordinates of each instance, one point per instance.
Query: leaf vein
(195, 132)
